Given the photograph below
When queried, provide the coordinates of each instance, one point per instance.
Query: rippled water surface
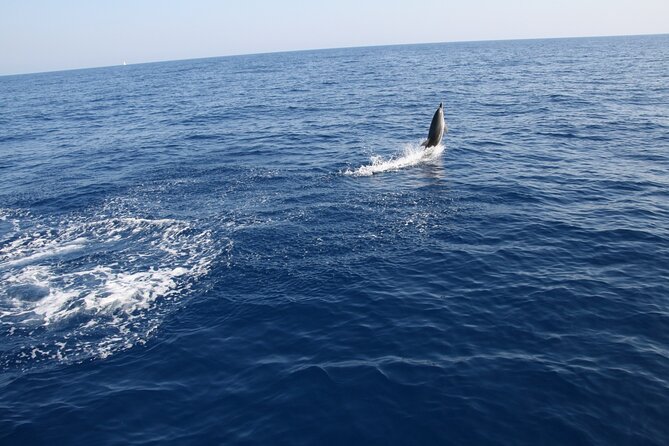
(256, 249)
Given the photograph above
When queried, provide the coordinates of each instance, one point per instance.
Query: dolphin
(437, 128)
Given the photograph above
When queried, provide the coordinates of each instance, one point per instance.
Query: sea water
(257, 250)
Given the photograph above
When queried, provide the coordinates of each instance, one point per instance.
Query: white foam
(133, 291)
(48, 276)
(412, 155)
(42, 252)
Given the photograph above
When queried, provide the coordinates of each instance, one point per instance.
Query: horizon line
(326, 49)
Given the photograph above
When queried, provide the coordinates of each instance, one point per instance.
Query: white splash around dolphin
(412, 155)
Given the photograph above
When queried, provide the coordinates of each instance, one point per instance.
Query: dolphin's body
(437, 128)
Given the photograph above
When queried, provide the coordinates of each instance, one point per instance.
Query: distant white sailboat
(124, 63)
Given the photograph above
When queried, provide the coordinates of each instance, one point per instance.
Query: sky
(48, 35)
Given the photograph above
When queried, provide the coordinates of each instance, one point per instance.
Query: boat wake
(412, 155)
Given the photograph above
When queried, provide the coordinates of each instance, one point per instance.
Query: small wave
(412, 155)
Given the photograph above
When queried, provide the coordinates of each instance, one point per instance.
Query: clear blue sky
(61, 34)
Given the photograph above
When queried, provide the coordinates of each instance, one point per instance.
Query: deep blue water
(255, 249)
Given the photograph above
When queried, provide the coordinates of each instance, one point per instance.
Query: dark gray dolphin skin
(436, 128)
